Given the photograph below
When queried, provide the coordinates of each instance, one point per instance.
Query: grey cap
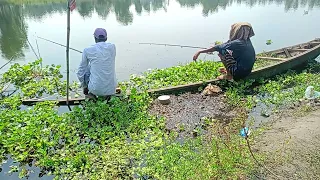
(100, 33)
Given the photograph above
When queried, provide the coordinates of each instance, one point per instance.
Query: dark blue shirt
(243, 52)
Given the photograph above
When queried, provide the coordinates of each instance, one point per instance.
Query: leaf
(269, 42)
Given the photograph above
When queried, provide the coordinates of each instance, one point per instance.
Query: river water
(129, 22)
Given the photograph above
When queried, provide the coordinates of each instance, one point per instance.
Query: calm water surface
(128, 22)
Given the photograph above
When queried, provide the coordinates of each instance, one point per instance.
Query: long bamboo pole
(67, 53)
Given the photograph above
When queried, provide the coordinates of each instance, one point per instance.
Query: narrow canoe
(284, 59)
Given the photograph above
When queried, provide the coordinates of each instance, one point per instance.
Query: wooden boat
(284, 59)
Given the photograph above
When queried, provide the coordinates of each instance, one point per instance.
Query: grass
(220, 154)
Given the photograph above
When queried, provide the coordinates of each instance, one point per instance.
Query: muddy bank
(187, 112)
(291, 144)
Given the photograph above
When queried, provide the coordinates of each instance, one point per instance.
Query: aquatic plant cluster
(177, 75)
(183, 74)
(121, 139)
(115, 140)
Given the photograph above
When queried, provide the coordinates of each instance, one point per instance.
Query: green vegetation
(178, 75)
(184, 74)
(269, 42)
(282, 90)
(33, 80)
(221, 154)
(114, 140)
(262, 63)
(120, 139)
(79, 144)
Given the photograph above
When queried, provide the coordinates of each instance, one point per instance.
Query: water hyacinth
(122, 140)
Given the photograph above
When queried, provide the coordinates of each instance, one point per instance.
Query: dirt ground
(185, 113)
(292, 145)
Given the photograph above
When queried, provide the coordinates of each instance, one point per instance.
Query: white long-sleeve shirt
(98, 67)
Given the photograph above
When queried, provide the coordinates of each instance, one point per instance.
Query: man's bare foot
(225, 77)
(223, 70)
(90, 96)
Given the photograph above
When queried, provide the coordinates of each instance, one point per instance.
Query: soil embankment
(292, 145)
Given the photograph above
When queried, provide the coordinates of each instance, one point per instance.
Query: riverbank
(291, 144)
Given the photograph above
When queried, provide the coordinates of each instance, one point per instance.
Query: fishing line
(173, 45)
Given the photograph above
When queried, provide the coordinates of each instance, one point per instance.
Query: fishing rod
(174, 45)
(58, 44)
(157, 44)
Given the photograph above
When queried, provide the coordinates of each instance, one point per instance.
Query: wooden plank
(60, 102)
(301, 50)
(180, 88)
(271, 58)
(287, 52)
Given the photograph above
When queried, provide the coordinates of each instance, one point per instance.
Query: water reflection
(121, 8)
(38, 11)
(13, 31)
(212, 6)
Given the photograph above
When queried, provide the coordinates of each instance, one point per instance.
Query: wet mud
(187, 112)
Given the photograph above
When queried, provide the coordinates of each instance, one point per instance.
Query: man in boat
(96, 72)
(237, 54)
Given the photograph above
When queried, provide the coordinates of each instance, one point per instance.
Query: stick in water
(38, 48)
(32, 49)
(7, 63)
(67, 53)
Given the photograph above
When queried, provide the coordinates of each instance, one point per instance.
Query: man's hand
(195, 57)
(85, 91)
